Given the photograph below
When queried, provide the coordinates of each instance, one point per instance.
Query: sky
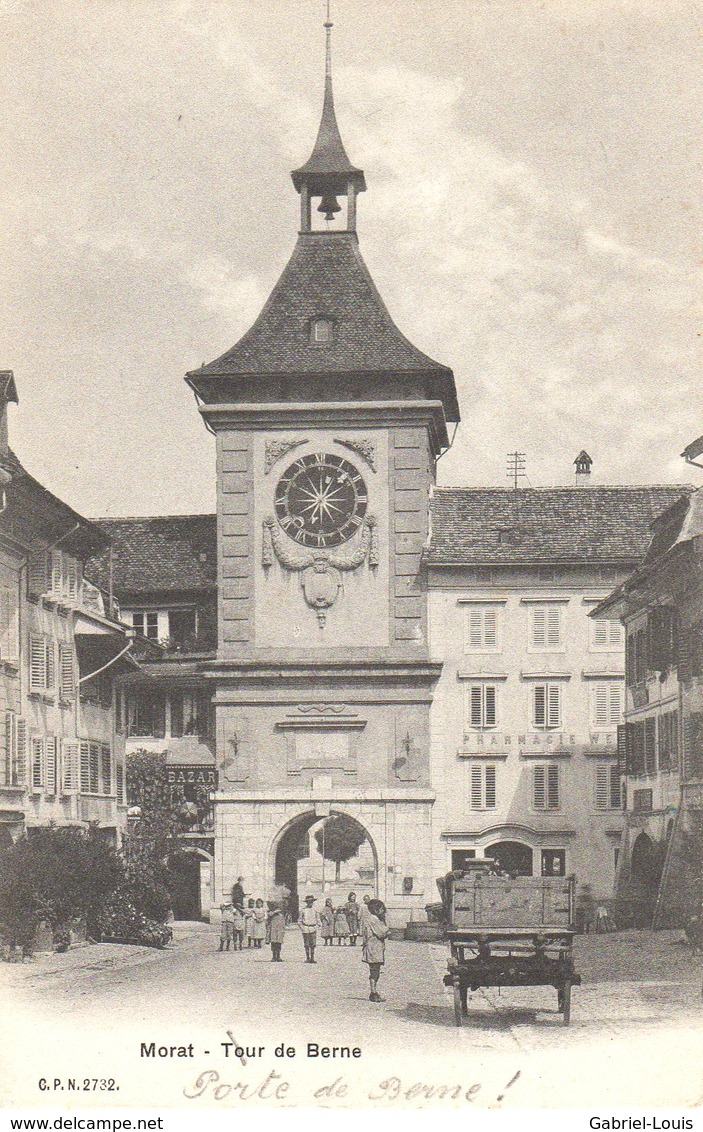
(533, 219)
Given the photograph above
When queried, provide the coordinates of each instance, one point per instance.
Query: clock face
(321, 500)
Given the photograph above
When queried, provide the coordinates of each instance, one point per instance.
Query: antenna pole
(516, 467)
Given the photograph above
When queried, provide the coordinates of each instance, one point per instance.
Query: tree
(339, 839)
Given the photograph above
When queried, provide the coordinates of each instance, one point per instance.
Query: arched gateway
(329, 423)
(304, 863)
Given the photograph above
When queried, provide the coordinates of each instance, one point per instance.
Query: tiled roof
(158, 555)
(326, 278)
(497, 525)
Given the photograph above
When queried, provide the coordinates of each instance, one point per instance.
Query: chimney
(8, 392)
(583, 464)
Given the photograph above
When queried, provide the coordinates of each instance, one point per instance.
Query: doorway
(332, 855)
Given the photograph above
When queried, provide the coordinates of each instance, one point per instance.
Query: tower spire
(328, 172)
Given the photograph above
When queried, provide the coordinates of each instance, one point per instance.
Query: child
(238, 936)
(341, 926)
(259, 928)
(309, 922)
(276, 930)
(351, 909)
(249, 923)
(226, 926)
(375, 932)
(327, 922)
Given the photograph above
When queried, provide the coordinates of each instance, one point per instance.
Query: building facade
(61, 653)
(661, 607)
(527, 709)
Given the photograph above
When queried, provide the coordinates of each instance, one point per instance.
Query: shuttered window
(15, 750)
(545, 786)
(545, 627)
(106, 768)
(650, 745)
(482, 705)
(94, 764)
(42, 664)
(668, 741)
(70, 756)
(37, 774)
(482, 629)
(38, 572)
(50, 764)
(67, 676)
(546, 706)
(607, 786)
(483, 787)
(119, 783)
(607, 635)
(606, 704)
(85, 766)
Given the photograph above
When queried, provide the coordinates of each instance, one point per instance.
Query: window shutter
(553, 787)
(600, 705)
(600, 634)
(540, 705)
(489, 693)
(615, 799)
(554, 705)
(614, 704)
(71, 766)
(20, 776)
(38, 572)
(66, 672)
(85, 766)
(37, 762)
(490, 627)
(50, 665)
(539, 628)
(106, 768)
(119, 783)
(119, 723)
(50, 751)
(56, 572)
(650, 745)
(602, 786)
(94, 765)
(10, 747)
(475, 629)
(476, 788)
(622, 747)
(490, 787)
(539, 795)
(553, 628)
(476, 716)
(37, 664)
(71, 578)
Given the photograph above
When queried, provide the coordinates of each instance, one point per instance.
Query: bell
(329, 205)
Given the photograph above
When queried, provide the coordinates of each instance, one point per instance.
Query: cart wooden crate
(510, 932)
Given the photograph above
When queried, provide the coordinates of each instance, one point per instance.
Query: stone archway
(191, 868)
(292, 845)
(514, 857)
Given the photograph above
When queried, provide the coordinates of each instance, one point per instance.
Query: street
(636, 1032)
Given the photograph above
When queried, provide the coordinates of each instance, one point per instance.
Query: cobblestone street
(636, 1017)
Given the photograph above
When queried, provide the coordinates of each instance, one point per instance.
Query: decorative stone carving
(322, 709)
(366, 449)
(320, 570)
(276, 449)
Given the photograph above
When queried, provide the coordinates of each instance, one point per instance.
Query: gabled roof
(497, 525)
(160, 554)
(326, 278)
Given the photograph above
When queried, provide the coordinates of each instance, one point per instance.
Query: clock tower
(328, 424)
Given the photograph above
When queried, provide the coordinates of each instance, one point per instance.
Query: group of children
(345, 924)
(250, 922)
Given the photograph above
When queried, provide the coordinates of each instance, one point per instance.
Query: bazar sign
(192, 776)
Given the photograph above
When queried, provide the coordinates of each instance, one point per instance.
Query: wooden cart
(508, 932)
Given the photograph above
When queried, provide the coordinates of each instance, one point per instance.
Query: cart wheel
(457, 1002)
(566, 1003)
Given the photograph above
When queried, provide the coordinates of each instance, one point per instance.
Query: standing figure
(374, 932)
(226, 926)
(276, 930)
(259, 929)
(327, 922)
(249, 923)
(341, 926)
(238, 926)
(238, 893)
(309, 923)
(351, 909)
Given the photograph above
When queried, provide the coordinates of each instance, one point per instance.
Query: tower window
(322, 330)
